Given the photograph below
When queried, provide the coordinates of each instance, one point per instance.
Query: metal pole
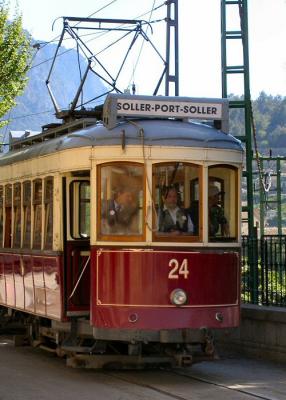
(279, 199)
(172, 5)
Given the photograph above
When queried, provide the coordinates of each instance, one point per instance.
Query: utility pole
(172, 65)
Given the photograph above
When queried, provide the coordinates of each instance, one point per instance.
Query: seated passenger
(217, 219)
(120, 213)
(172, 218)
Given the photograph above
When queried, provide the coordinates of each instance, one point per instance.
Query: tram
(120, 238)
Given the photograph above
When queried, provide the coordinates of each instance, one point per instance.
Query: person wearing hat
(172, 218)
(217, 219)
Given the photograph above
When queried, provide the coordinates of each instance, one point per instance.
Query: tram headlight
(178, 297)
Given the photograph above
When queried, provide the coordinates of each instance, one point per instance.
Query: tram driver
(120, 213)
(172, 218)
(217, 221)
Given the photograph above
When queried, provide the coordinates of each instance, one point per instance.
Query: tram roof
(157, 132)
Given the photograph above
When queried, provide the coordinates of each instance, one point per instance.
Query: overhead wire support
(172, 23)
(72, 26)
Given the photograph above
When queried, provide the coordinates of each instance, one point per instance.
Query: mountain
(35, 108)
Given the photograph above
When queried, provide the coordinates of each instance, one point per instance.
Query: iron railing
(264, 270)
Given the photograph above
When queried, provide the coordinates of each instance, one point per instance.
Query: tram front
(165, 244)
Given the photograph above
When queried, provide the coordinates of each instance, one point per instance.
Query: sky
(199, 41)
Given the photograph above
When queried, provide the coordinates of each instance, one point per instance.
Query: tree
(15, 55)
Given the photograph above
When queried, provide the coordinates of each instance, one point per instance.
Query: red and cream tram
(119, 240)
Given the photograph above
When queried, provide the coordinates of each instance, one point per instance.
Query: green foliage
(15, 54)
(270, 121)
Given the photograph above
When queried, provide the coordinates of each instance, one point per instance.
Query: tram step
(78, 349)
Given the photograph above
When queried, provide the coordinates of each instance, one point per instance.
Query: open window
(80, 209)
(17, 215)
(27, 214)
(177, 201)
(222, 203)
(121, 201)
(37, 207)
(48, 202)
(8, 216)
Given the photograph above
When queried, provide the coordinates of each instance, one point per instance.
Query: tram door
(77, 245)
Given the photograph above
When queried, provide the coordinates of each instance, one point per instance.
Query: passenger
(172, 218)
(217, 219)
(120, 213)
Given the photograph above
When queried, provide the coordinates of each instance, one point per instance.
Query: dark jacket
(166, 223)
(116, 214)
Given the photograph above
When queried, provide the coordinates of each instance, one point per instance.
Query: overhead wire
(141, 48)
(97, 34)
(41, 47)
(89, 16)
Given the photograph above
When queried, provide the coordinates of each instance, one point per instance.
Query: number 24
(178, 269)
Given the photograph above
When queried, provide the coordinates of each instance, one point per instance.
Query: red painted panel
(19, 282)
(39, 285)
(146, 278)
(9, 277)
(78, 276)
(29, 283)
(165, 318)
(33, 284)
(52, 286)
(136, 285)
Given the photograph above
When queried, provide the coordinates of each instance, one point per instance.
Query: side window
(1, 216)
(27, 214)
(8, 216)
(80, 209)
(17, 215)
(48, 201)
(120, 205)
(222, 203)
(37, 207)
(177, 194)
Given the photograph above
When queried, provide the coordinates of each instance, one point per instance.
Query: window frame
(37, 205)
(8, 228)
(225, 239)
(164, 237)
(27, 204)
(48, 213)
(17, 208)
(112, 237)
(74, 226)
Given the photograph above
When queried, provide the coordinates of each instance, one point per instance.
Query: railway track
(186, 390)
(234, 378)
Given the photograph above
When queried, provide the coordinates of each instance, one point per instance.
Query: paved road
(32, 374)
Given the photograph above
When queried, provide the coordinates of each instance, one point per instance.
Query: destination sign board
(122, 105)
(181, 109)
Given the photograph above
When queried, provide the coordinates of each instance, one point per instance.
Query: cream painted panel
(72, 159)
(114, 153)
(75, 159)
(166, 153)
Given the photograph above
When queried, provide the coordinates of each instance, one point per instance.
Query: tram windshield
(177, 196)
(121, 201)
(222, 203)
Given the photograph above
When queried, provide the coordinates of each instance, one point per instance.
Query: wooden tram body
(73, 278)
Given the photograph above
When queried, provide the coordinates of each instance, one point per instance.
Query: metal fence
(264, 270)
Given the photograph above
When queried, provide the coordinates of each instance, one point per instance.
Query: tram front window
(176, 197)
(121, 201)
(222, 203)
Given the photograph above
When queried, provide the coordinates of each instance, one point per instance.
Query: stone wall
(262, 333)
